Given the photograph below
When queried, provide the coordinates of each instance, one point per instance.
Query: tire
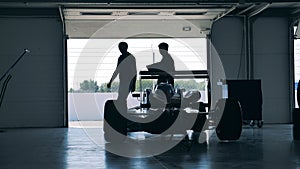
(230, 125)
(296, 132)
(162, 123)
(296, 123)
(115, 125)
(199, 123)
(260, 124)
(296, 115)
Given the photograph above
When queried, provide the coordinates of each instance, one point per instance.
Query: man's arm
(112, 78)
(115, 74)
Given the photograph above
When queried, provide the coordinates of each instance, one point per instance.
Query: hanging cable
(4, 88)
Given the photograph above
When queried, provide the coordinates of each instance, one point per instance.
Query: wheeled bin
(249, 94)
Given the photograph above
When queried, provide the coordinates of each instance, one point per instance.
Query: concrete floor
(271, 147)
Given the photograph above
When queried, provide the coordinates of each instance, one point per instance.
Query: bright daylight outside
(91, 65)
(296, 65)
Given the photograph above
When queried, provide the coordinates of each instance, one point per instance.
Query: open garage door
(125, 23)
(95, 33)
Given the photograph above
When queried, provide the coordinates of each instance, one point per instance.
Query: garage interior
(254, 39)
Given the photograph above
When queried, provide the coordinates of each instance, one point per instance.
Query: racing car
(166, 110)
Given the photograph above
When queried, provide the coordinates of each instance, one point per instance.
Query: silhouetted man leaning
(166, 65)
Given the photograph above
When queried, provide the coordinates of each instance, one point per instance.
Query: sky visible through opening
(96, 59)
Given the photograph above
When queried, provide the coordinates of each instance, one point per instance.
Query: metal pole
(65, 68)
(13, 65)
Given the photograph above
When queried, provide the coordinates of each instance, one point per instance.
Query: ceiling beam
(246, 9)
(224, 14)
(147, 1)
(259, 9)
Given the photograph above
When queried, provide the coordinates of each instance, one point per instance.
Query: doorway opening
(91, 65)
(296, 63)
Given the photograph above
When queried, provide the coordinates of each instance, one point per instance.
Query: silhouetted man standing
(126, 69)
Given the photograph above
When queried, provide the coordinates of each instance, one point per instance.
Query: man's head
(163, 46)
(123, 46)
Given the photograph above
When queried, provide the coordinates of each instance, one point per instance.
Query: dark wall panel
(271, 64)
(228, 40)
(34, 96)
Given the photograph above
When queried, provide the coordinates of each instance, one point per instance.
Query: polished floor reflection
(269, 147)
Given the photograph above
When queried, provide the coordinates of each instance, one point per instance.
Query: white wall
(90, 106)
(271, 64)
(34, 96)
